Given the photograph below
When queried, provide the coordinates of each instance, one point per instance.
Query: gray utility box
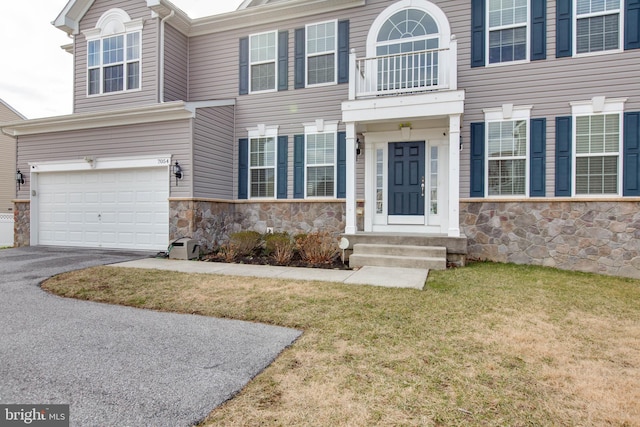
(184, 248)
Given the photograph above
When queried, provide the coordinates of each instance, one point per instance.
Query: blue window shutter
(564, 28)
(631, 162)
(298, 166)
(564, 156)
(342, 165)
(283, 60)
(243, 168)
(478, 30)
(343, 51)
(537, 152)
(244, 66)
(632, 24)
(539, 29)
(477, 159)
(283, 166)
(299, 58)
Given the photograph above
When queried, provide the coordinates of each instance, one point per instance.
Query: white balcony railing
(404, 73)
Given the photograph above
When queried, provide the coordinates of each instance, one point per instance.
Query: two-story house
(502, 130)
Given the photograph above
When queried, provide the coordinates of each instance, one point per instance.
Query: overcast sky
(35, 73)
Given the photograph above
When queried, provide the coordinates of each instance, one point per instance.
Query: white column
(350, 213)
(454, 176)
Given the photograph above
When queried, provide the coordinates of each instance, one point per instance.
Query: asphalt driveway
(118, 366)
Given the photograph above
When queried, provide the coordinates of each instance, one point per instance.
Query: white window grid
(126, 54)
(263, 50)
(262, 158)
(495, 17)
(588, 9)
(321, 40)
(326, 161)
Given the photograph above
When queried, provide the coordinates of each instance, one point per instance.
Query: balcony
(405, 73)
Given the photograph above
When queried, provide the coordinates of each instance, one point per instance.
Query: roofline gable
(68, 20)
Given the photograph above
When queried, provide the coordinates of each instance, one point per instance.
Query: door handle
(422, 186)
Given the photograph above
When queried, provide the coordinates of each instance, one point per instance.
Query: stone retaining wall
(211, 222)
(591, 236)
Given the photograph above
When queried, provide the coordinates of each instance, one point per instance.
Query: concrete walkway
(377, 276)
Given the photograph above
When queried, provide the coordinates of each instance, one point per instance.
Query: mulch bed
(336, 264)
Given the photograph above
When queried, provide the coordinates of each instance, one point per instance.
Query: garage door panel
(110, 209)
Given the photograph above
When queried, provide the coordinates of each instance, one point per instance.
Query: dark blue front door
(406, 178)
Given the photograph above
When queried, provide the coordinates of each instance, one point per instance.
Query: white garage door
(121, 208)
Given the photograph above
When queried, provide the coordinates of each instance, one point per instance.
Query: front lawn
(488, 344)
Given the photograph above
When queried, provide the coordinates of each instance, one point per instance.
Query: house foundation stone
(21, 223)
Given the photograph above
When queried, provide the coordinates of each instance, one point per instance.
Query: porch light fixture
(176, 170)
(19, 178)
(358, 144)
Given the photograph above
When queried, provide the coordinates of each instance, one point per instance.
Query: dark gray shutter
(631, 162)
(477, 160)
(537, 152)
(283, 60)
(343, 51)
(478, 35)
(244, 66)
(243, 169)
(564, 155)
(298, 166)
(283, 166)
(632, 24)
(341, 173)
(564, 28)
(299, 58)
(539, 29)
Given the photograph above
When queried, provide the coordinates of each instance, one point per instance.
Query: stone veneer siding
(21, 223)
(593, 236)
(210, 222)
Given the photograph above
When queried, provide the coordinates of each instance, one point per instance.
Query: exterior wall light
(19, 178)
(176, 170)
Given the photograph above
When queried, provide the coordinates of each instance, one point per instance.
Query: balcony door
(406, 51)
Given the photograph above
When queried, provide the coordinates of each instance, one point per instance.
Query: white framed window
(508, 35)
(320, 156)
(262, 161)
(114, 54)
(263, 51)
(507, 150)
(597, 147)
(321, 51)
(597, 26)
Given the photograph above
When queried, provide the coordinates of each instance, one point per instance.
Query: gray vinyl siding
(172, 137)
(213, 152)
(7, 162)
(176, 68)
(548, 85)
(148, 94)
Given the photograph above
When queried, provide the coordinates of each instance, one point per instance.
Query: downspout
(161, 72)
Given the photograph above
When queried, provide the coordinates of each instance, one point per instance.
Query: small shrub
(318, 247)
(280, 247)
(228, 252)
(245, 243)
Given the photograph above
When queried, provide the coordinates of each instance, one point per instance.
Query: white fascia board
(69, 19)
(138, 115)
(437, 104)
(260, 14)
(193, 106)
(97, 163)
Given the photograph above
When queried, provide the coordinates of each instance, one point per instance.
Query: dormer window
(114, 53)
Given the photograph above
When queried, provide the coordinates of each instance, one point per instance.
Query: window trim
(115, 22)
(274, 61)
(507, 113)
(574, 30)
(598, 105)
(489, 29)
(263, 131)
(307, 55)
(321, 126)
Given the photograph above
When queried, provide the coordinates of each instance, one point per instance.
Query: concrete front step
(361, 260)
(400, 250)
(408, 256)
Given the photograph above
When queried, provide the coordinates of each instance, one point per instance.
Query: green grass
(489, 344)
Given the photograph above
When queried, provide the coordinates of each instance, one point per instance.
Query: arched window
(406, 45)
(408, 30)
